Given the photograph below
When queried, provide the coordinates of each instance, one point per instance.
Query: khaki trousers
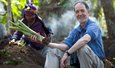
(87, 58)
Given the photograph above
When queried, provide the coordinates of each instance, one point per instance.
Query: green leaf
(15, 11)
(4, 19)
(4, 1)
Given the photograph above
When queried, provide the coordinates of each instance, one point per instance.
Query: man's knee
(55, 51)
(52, 59)
(84, 49)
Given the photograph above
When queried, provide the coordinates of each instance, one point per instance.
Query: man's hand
(34, 38)
(46, 41)
(64, 61)
(12, 42)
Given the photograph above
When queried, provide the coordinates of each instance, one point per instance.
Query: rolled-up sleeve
(93, 31)
(16, 35)
(70, 39)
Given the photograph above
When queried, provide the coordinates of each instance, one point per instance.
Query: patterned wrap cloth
(30, 9)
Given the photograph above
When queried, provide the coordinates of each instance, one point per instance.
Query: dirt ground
(14, 56)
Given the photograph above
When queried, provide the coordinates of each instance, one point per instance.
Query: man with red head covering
(31, 19)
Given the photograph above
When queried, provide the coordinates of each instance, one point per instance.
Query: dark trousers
(74, 60)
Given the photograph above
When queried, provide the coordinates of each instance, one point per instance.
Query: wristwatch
(68, 53)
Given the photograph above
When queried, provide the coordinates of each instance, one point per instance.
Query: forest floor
(14, 56)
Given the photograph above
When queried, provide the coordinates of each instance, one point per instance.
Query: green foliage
(53, 7)
(13, 62)
(113, 58)
(114, 4)
(36, 2)
(64, 3)
(3, 19)
(4, 53)
(3, 12)
(17, 7)
(4, 2)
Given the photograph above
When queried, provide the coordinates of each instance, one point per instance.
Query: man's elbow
(86, 38)
(85, 41)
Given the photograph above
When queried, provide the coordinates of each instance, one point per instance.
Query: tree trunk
(9, 16)
(109, 16)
